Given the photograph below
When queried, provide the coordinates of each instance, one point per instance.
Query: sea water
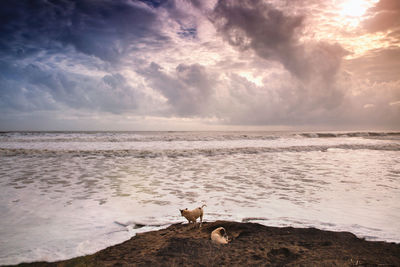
(67, 194)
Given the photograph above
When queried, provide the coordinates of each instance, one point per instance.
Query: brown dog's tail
(204, 205)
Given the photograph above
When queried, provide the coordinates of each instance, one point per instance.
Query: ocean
(67, 194)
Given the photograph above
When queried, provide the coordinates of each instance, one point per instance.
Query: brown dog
(192, 215)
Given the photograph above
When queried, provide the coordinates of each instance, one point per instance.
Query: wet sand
(252, 245)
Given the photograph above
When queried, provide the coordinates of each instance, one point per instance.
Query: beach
(70, 194)
(252, 245)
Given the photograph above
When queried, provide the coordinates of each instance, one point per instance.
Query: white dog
(219, 236)
(192, 215)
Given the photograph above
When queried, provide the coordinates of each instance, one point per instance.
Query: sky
(199, 65)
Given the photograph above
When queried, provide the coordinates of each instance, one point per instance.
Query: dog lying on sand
(219, 236)
(192, 215)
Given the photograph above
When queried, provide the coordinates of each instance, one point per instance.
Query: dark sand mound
(252, 244)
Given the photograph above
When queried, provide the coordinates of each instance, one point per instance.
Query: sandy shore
(252, 244)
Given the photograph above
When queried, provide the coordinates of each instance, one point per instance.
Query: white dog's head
(219, 236)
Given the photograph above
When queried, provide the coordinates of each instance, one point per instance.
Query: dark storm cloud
(154, 3)
(258, 25)
(273, 35)
(188, 90)
(105, 29)
(45, 43)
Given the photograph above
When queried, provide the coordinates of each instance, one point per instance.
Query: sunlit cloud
(369, 106)
(395, 103)
(354, 8)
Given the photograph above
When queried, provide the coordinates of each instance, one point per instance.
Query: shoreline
(252, 244)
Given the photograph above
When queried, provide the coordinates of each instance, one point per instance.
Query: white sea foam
(68, 194)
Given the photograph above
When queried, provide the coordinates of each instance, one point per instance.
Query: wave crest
(195, 152)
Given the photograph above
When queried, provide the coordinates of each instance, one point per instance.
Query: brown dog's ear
(186, 209)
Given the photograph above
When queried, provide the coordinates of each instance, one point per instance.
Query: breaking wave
(26, 137)
(351, 134)
(171, 153)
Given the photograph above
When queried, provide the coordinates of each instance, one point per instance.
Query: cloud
(233, 62)
(104, 29)
(35, 87)
(154, 3)
(188, 89)
(379, 65)
(386, 5)
(274, 35)
(394, 103)
(259, 26)
(385, 15)
(59, 55)
(369, 106)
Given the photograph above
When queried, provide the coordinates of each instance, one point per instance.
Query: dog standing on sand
(219, 236)
(192, 215)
